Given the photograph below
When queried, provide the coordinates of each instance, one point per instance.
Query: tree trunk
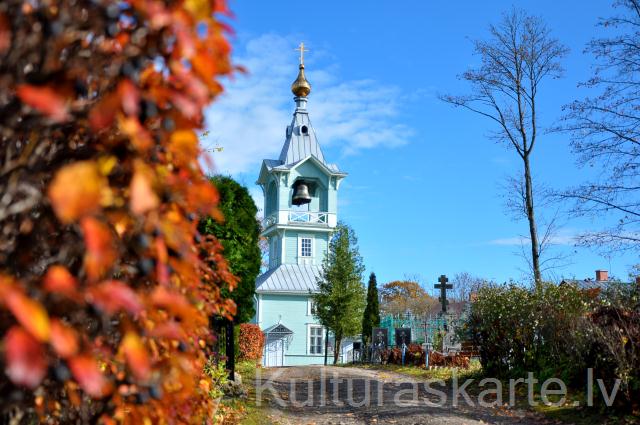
(336, 352)
(533, 231)
(326, 345)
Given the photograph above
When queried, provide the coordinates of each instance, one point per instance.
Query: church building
(300, 212)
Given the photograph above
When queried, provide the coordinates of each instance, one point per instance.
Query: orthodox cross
(443, 286)
(302, 50)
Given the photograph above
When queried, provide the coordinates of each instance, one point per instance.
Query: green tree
(239, 234)
(371, 317)
(340, 299)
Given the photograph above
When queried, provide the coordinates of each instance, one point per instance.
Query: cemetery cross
(443, 286)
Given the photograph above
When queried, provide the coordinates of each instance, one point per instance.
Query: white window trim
(309, 259)
(315, 325)
(309, 306)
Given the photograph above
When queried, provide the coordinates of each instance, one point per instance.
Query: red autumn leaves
(118, 304)
(26, 361)
(25, 343)
(250, 341)
(46, 100)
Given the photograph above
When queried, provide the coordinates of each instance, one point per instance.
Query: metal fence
(423, 328)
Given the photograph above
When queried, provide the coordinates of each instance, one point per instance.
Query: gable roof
(289, 278)
(278, 330)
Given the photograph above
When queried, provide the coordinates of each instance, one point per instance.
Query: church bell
(301, 194)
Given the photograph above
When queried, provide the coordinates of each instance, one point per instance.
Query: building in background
(300, 209)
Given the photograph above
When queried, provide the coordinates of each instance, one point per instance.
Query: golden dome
(301, 87)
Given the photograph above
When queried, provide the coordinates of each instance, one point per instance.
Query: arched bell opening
(308, 194)
(303, 191)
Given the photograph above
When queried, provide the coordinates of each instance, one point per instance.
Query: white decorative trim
(283, 238)
(309, 306)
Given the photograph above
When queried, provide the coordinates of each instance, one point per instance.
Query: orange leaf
(7, 285)
(143, 198)
(5, 33)
(100, 253)
(139, 136)
(26, 361)
(87, 372)
(174, 302)
(199, 9)
(58, 279)
(44, 99)
(76, 190)
(136, 355)
(112, 296)
(129, 97)
(184, 146)
(63, 339)
(169, 330)
(31, 314)
(104, 112)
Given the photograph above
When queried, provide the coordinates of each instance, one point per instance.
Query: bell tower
(300, 197)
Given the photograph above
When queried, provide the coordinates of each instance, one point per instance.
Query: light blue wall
(291, 311)
(271, 199)
(320, 246)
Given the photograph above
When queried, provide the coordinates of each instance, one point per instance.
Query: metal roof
(301, 140)
(289, 278)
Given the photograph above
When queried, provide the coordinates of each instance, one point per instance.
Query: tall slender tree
(339, 302)
(519, 56)
(371, 316)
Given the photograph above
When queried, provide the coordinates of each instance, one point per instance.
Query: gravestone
(450, 343)
(403, 336)
(380, 337)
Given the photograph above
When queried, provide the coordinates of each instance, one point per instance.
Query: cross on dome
(302, 50)
(301, 87)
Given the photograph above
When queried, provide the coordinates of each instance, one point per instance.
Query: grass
(443, 373)
(248, 412)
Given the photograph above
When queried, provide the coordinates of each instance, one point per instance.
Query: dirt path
(341, 395)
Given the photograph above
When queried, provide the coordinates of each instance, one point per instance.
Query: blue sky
(424, 188)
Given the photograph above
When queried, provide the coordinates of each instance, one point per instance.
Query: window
(305, 247)
(311, 307)
(316, 340)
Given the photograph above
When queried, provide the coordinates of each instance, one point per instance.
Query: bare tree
(519, 55)
(464, 284)
(606, 133)
(549, 237)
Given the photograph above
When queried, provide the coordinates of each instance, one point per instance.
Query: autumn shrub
(538, 329)
(614, 324)
(561, 331)
(250, 341)
(106, 287)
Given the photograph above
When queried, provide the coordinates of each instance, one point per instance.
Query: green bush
(560, 331)
(540, 329)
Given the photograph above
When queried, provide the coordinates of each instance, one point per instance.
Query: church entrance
(274, 353)
(277, 338)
